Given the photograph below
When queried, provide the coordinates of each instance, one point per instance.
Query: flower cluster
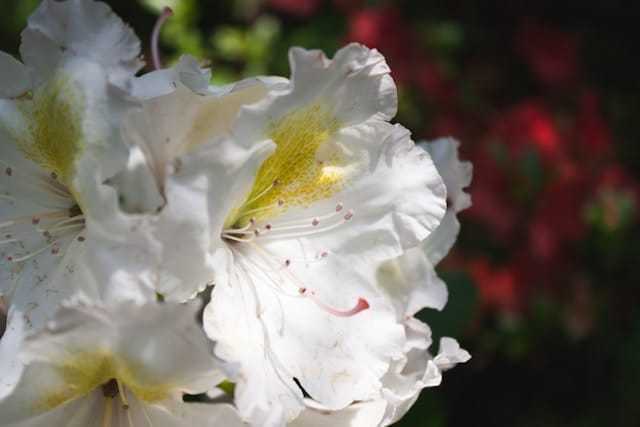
(176, 253)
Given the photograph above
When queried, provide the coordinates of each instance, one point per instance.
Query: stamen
(264, 208)
(361, 305)
(106, 417)
(123, 397)
(339, 207)
(155, 56)
(275, 183)
(8, 171)
(34, 253)
(37, 218)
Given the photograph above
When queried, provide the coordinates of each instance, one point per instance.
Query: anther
(55, 249)
(35, 220)
(324, 254)
(339, 207)
(280, 202)
(80, 238)
(8, 171)
(256, 232)
(276, 182)
(287, 262)
(267, 226)
(155, 57)
(315, 222)
(54, 175)
(348, 216)
(252, 220)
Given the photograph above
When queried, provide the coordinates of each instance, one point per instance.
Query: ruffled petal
(336, 358)
(70, 33)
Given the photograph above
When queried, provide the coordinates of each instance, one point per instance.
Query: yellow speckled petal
(54, 139)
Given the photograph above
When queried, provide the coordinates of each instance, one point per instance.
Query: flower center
(246, 244)
(87, 371)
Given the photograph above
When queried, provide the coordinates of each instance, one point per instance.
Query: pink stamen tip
(348, 216)
(280, 202)
(315, 222)
(361, 305)
(155, 56)
(339, 207)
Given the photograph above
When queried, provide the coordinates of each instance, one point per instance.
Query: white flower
(59, 123)
(271, 188)
(117, 365)
(342, 184)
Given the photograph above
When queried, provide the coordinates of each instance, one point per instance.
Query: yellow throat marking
(87, 371)
(54, 139)
(302, 173)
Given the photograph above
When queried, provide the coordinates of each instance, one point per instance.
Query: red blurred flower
(552, 54)
(497, 287)
(385, 30)
(297, 8)
(526, 125)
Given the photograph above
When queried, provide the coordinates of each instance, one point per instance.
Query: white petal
(356, 87)
(15, 78)
(164, 81)
(450, 354)
(61, 32)
(276, 338)
(361, 414)
(411, 282)
(456, 174)
(172, 125)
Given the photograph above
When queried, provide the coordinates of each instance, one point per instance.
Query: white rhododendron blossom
(118, 365)
(60, 114)
(308, 224)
